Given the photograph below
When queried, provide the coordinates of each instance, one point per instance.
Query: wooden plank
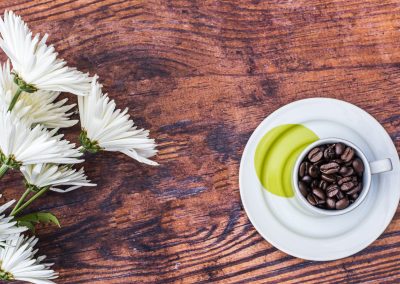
(201, 75)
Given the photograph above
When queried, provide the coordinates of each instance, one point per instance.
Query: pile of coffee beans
(330, 176)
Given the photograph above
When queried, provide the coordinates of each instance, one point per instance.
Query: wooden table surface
(201, 75)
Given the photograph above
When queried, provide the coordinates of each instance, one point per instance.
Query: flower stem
(15, 99)
(22, 199)
(33, 198)
(3, 170)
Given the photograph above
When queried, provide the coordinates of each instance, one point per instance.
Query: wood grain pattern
(201, 75)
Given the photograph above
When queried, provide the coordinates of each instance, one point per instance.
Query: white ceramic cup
(370, 168)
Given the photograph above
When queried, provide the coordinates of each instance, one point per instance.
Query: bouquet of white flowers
(30, 117)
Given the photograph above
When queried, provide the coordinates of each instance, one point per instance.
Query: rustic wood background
(201, 75)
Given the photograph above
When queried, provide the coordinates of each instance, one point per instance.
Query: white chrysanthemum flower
(21, 145)
(35, 64)
(106, 128)
(18, 262)
(39, 107)
(8, 227)
(55, 177)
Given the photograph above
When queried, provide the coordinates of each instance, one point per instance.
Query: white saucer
(283, 223)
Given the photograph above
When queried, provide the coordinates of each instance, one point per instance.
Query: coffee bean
(339, 195)
(307, 179)
(339, 148)
(311, 199)
(347, 186)
(346, 171)
(328, 178)
(348, 164)
(354, 196)
(315, 155)
(358, 166)
(322, 184)
(313, 171)
(332, 190)
(303, 188)
(330, 202)
(314, 184)
(350, 172)
(343, 180)
(319, 163)
(330, 168)
(303, 170)
(342, 203)
(338, 161)
(348, 154)
(356, 189)
(319, 193)
(329, 152)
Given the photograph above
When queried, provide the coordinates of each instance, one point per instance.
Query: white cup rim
(366, 178)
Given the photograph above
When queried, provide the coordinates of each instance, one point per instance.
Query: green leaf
(29, 220)
(29, 225)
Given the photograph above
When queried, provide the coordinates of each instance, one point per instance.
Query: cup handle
(381, 166)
